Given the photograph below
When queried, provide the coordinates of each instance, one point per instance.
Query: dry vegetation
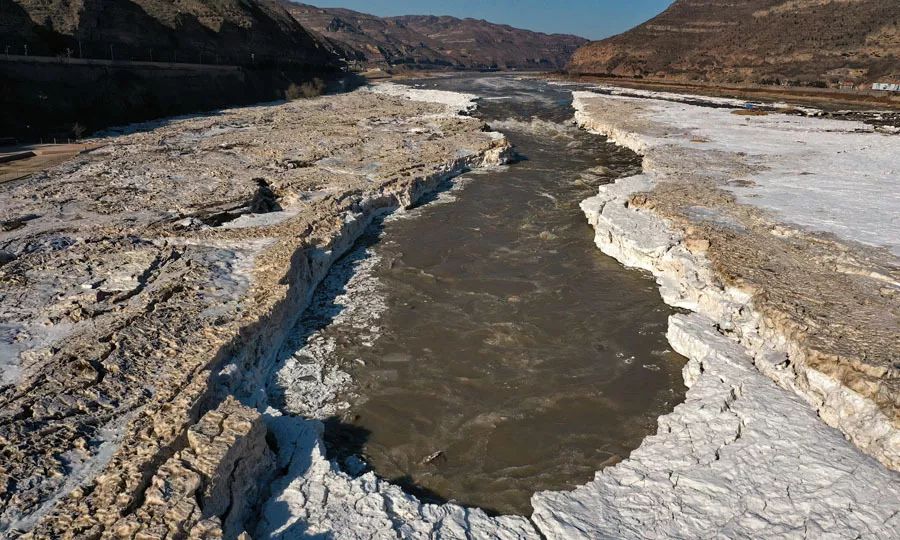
(306, 90)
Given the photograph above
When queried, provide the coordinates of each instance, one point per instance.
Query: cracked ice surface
(456, 101)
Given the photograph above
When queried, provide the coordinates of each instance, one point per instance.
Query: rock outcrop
(72, 67)
(754, 41)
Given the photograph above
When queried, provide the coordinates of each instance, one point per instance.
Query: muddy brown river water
(479, 348)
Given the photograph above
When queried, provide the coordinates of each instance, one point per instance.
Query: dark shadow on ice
(345, 445)
(324, 307)
(293, 440)
(344, 441)
(428, 496)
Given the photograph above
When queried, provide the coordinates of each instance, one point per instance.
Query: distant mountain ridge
(424, 41)
(245, 32)
(816, 42)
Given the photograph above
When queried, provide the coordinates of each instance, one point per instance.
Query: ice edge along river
(740, 457)
(315, 497)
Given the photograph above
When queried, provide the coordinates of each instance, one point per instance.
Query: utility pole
(151, 54)
(80, 52)
(111, 55)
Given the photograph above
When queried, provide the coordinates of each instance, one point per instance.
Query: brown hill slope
(751, 41)
(224, 31)
(265, 53)
(434, 42)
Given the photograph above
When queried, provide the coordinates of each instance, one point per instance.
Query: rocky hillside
(434, 42)
(812, 42)
(203, 31)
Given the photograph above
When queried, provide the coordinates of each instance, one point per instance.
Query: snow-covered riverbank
(744, 456)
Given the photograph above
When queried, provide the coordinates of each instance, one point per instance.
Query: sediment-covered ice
(151, 284)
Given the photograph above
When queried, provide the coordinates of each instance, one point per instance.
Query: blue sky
(592, 19)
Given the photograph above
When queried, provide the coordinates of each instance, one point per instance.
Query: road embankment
(43, 98)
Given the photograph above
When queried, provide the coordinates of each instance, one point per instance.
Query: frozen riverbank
(148, 286)
(744, 456)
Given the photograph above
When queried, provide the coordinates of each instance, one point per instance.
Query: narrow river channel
(479, 348)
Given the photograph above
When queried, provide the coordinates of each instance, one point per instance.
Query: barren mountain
(210, 31)
(430, 41)
(802, 41)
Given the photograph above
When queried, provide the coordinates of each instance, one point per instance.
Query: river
(479, 348)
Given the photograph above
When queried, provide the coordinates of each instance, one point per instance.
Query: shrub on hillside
(309, 89)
